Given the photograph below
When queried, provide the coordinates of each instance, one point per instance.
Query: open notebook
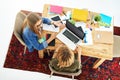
(52, 28)
(71, 35)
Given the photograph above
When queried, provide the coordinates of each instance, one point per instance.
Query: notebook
(52, 28)
(71, 35)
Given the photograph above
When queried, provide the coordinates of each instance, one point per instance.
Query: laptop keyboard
(70, 36)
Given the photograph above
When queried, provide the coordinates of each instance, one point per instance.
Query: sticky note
(80, 14)
(105, 18)
(56, 9)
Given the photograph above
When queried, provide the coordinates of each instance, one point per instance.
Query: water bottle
(88, 36)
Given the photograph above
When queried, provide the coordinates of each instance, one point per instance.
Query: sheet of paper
(50, 28)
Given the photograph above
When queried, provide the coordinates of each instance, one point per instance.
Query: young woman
(32, 30)
(64, 59)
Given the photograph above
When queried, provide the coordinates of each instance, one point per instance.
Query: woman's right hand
(78, 49)
(53, 35)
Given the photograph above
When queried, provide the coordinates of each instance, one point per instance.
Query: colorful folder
(80, 14)
(56, 9)
(105, 18)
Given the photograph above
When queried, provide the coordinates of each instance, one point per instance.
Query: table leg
(41, 53)
(98, 63)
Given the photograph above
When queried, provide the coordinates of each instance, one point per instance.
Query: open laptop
(71, 35)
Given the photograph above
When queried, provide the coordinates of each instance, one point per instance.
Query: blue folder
(105, 18)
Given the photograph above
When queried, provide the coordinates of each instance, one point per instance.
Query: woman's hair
(31, 19)
(65, 57)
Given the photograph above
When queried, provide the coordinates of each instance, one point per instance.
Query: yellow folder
(80, 14)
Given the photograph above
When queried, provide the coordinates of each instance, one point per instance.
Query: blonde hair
(65, 57)
(31, 19)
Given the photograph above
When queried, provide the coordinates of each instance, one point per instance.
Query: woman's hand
(53, 35)
(58, 23)
(78, 49)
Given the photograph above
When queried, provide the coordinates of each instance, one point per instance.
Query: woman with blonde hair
(64, 59)
(32, 32)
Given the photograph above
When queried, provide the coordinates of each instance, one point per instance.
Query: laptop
(103, 36)
(71, 35)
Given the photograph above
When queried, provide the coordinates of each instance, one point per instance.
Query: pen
(64, 13)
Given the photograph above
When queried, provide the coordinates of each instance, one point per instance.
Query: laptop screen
(75, 30)
(70, 36)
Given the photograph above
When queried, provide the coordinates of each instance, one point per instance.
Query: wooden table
(101, 51)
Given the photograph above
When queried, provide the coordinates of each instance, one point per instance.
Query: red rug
(109, 70)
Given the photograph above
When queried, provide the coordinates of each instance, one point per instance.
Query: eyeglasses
(40, 26)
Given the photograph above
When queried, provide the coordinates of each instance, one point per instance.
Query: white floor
(8, 10)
